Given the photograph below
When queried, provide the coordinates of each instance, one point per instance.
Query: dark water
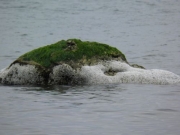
(148, 32)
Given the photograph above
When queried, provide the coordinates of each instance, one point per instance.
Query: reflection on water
(97, 109)
(146, 31)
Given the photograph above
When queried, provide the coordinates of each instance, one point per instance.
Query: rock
(58, 63)
(71, 45)
(79, 62)
(137, 66)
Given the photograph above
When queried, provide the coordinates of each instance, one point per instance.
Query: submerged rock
(76, 62)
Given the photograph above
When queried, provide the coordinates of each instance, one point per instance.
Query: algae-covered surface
(71, 50)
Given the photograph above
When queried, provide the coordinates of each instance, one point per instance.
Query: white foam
(127, 74)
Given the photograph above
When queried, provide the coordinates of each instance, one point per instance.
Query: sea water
(147, 32)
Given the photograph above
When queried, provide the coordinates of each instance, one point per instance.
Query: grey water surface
(147, 32)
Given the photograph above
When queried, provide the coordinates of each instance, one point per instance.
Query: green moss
(62, 52)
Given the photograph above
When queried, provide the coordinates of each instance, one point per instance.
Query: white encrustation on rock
(127, 74)
(96, 74)
(21, 75)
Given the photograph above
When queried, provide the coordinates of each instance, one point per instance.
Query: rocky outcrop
(76, 62)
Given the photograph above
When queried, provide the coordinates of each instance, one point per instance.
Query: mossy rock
(64, 63)
(73, 52)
